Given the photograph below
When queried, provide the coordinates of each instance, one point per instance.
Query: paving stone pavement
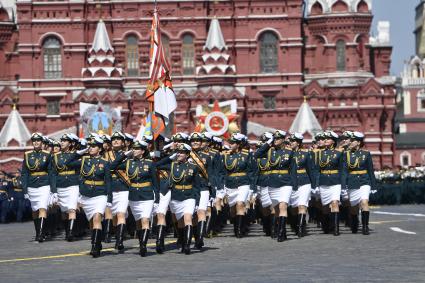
(383, 256)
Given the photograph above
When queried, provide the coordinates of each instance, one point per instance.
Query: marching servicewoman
(144, 189)
(305, 181)
(360, 178)
(262, 183)
(204, 162)
(95, 188)
(330, 179)
(67, 181)
(185, 190)
(37, 180)
(282, 177)
(239, 170)
(119, 186)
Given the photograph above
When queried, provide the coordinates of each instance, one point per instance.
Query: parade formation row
(197, 177)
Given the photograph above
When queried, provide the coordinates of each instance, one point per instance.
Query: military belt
(94, 183)
(329, 172)
(18, 190)
(238, 174)
(183, 187)
(141, 185)
(67, 173)
(114, 175)
(301, 171)
(275, 172)
(2, 191)
(39, 174)
(358, 172)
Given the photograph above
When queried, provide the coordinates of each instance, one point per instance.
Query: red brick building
(265, 54)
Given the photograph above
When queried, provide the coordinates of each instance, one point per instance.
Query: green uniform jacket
(239, 169)
(330, 163)
(64, 176)
(282, 170)
(358, 169)
(118, 185)
(305, 168)
(143, 180)
(184, 179)
(262, 164)
(37, 170)
(95, 175)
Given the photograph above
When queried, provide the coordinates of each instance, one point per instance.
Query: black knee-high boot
(239, 226)
(143, 241)
(119, 238)
(301, 225)
(335, 222)
(41, 225)
(70, 229)
(273, 223)
(107, 228)
(37, 228)
(281, 229)
(208, 226)
(267, 225)
(180, 239)
(160, 239)
(325, 219)
(365, 223)
(354, 224)
(188, 230)
(201, 231)
(96, 242)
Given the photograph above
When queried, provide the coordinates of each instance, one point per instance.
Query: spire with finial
(101, 58)
(14, 129)
(305, 120)
(215, 58)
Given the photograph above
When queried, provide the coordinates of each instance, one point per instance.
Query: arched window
(188, 55)
(166, 45)
(340, 55)
(268, 53)
(52, 57)
(132, 55)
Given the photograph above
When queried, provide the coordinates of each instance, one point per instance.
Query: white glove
(108, 204)
(270, 141)
(152, 154)
(11, 199)
(26, 196)
(254, 195)
(168, 146)
(128, 153)
(173, 156)
(82, 151)
(268, 135)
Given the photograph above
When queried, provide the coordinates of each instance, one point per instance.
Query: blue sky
(401, 14)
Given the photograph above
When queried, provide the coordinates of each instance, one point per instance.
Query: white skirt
(329, 194)
(164, 201)
(39, 197)
(119, 202)
(266, 201)
(278, 195)
(356, 196)
(68, 198)
(204, 200)
(141, 209)
(237, 195)
(93, 205)
(301, 196)
(180, 208)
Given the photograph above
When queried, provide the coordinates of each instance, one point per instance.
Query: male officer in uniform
(4, 197)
